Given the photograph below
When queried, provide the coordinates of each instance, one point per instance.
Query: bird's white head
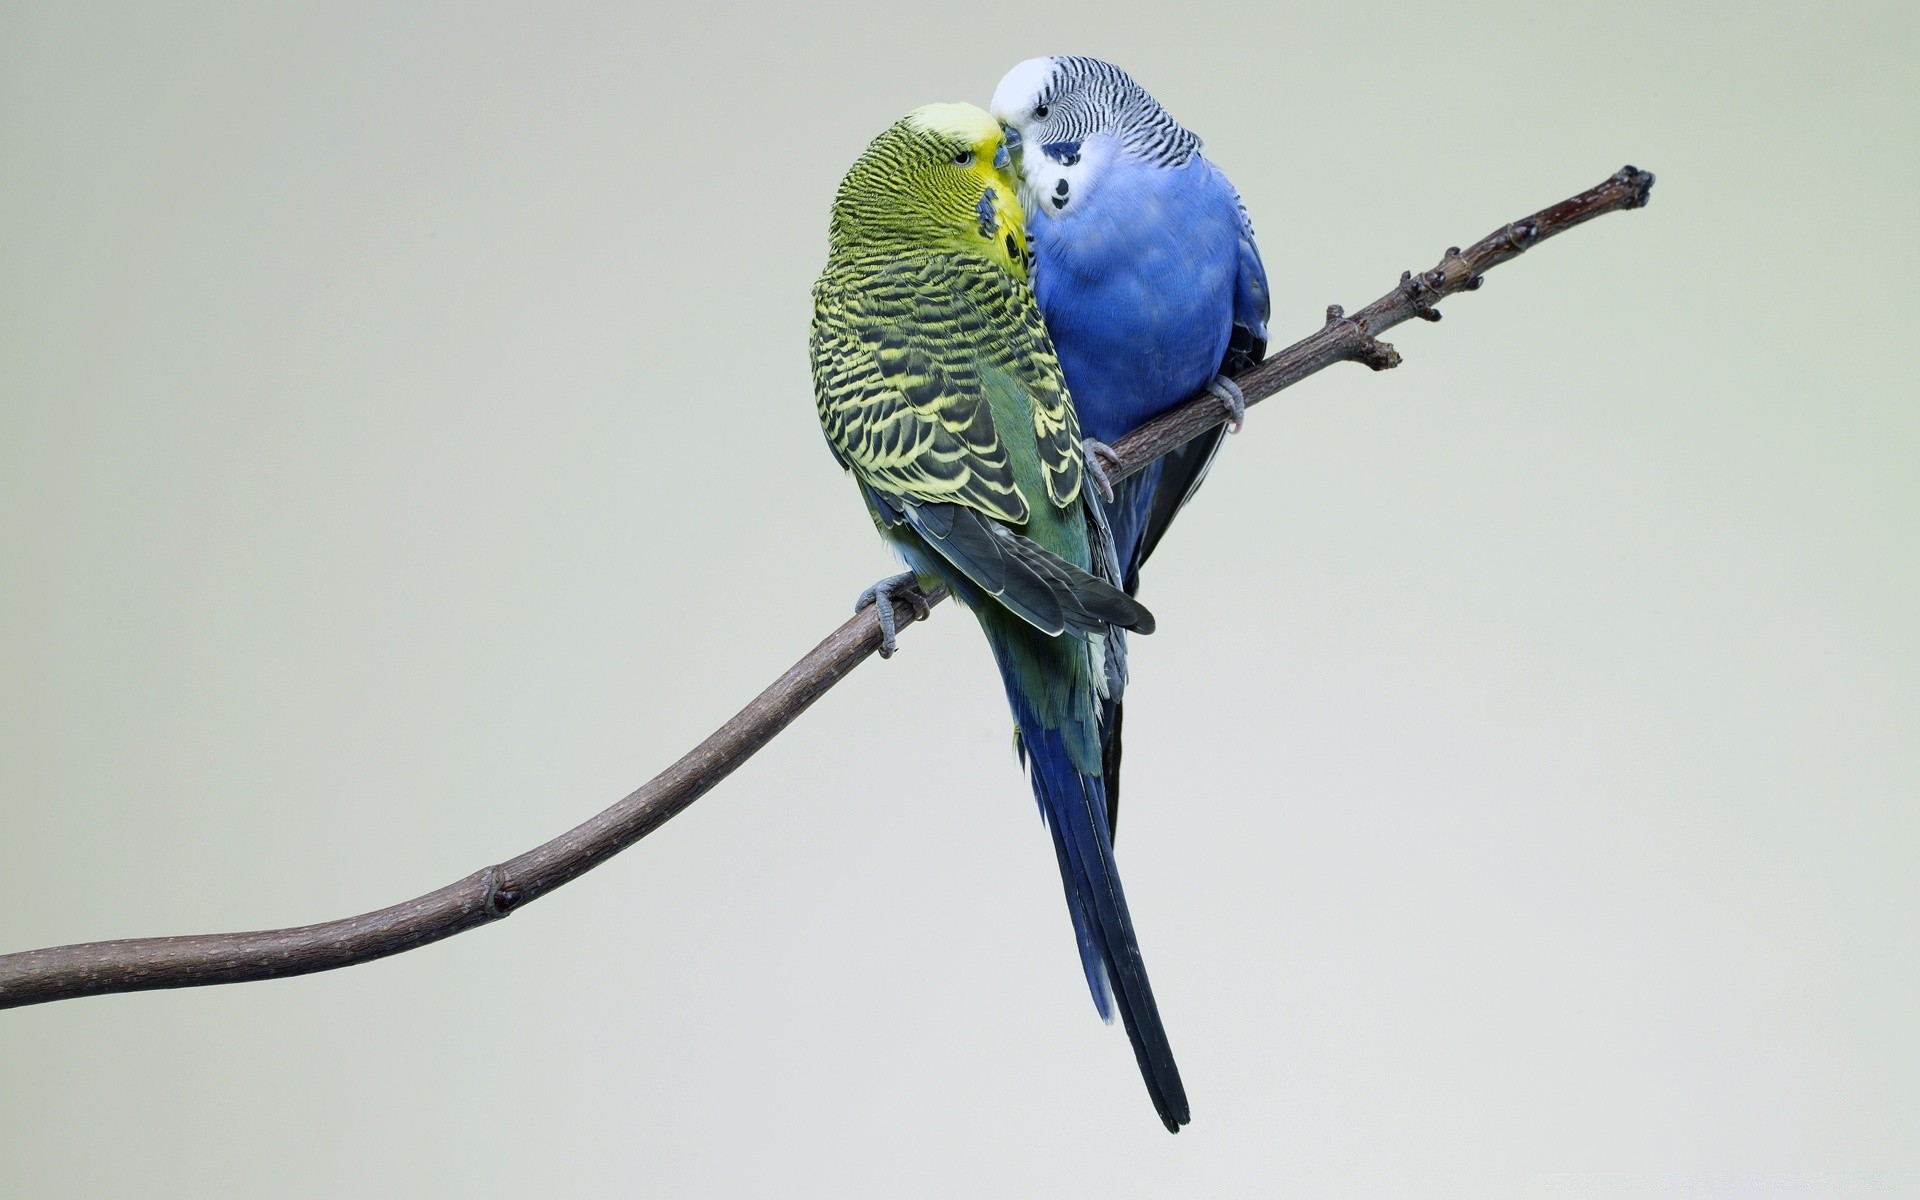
(1070, 116)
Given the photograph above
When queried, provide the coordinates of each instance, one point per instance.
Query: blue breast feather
(1140, 281)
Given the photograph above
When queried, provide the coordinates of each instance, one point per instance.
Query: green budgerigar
(940, 391)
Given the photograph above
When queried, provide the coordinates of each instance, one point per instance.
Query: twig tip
(1377, 355)
(1640, 181)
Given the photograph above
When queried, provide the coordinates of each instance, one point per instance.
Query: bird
(939, 391)
(1148, 277)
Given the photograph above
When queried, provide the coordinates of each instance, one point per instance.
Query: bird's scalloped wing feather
(897, 361)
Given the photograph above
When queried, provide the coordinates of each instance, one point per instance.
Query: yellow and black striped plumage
(939, 389)
(898, 364)
(923, 296)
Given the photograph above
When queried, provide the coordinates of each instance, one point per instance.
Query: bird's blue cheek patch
(1064, 153)
(983, 213)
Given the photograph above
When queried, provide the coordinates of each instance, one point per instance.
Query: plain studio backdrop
(407, 447)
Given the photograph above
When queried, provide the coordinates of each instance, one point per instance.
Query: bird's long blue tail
(1073, 801)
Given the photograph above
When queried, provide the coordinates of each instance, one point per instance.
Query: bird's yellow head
(940, 179)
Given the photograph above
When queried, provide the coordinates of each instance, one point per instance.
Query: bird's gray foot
(1099, 456)
(1233, 398)
(882, 595)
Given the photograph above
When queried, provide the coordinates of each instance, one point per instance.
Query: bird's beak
(1002, 158)
(1009, 143)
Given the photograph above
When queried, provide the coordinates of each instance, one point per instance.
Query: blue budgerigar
(1147, 274)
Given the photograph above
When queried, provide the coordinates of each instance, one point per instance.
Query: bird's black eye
(1039, 112)
(963, 159)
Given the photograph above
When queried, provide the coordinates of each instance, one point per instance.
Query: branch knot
(500, 898)
(1521, 234)
(1366, 348)
(1422, 290)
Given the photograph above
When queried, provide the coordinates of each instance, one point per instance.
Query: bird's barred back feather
(898, 351)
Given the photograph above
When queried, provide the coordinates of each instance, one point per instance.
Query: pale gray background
(406, 447)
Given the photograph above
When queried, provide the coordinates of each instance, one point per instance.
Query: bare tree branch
(138, 964)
